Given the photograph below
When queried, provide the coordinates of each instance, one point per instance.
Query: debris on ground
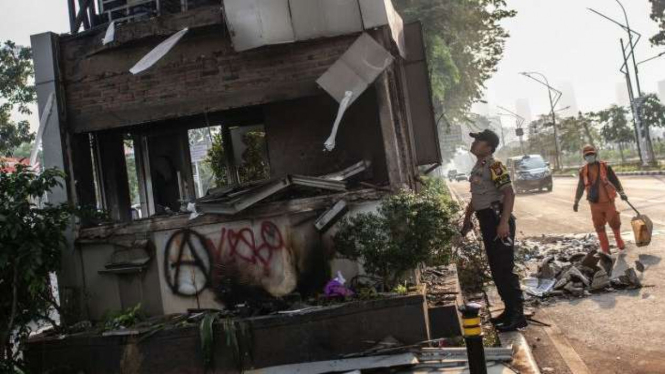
(571, 265)
(441, 285)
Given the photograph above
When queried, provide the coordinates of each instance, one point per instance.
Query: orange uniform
(601, 184)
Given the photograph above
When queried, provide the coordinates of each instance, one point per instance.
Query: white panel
(356, 69)
(276, 21)
(254, 23)
(342, 16)
(374, 13)
(243, 20)
(308, 19)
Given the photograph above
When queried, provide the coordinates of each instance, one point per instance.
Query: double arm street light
(642, 132)
(554, 100)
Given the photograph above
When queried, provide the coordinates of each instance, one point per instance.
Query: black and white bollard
(473, 336)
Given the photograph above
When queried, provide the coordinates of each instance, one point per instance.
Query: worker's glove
(623, 196)
(576, 207)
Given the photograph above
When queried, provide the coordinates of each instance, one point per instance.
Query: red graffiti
(242, 244)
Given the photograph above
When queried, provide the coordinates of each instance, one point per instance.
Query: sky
(577, 50)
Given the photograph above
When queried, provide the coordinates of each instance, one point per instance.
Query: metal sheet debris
(377, 13)
(331, 216)
(158, 52)
(329, 144)
(349, 172)
(358, 67)
(43, 121)
(234, 200)
(344, 365)
(109, 37)
(254, 23)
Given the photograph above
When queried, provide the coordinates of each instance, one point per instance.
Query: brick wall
(202, 73)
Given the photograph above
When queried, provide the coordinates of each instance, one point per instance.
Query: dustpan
(642, 228)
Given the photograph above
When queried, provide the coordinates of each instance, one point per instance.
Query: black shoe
(514, 323)
(501, 318)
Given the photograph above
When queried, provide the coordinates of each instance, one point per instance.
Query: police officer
(492, 199)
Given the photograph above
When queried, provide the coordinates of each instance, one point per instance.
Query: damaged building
(336, 91)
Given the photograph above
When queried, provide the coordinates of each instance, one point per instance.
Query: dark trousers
(501, 258)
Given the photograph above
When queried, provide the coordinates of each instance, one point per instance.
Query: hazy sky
(559, 38)
(572, 46)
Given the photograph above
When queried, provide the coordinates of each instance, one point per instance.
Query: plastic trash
(336, 287)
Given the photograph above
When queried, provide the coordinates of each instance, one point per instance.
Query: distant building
(622, 98)
(451, 139)
(523, 109)
(568, 99)
(661, 91)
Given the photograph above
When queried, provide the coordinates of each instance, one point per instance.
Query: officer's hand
(623, 196)
(503, 231)
(576, 207)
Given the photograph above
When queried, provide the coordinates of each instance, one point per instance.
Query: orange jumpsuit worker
(601, 186)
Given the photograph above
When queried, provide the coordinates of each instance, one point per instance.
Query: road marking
(570, 357)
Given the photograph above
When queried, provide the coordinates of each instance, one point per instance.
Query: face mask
(590, 159)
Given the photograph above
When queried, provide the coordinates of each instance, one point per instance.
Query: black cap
(487, 135)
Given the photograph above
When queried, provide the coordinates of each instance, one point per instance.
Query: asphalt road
(552, 212)
(618, 332)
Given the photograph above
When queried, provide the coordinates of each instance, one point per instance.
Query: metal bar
(72, 15)
(83, 11)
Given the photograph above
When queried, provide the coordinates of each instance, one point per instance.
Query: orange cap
(588, 149)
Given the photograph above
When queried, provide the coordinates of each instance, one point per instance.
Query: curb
(620, 174)
(523, 359)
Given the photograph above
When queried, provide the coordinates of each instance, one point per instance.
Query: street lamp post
(553, 102)
(519, 121)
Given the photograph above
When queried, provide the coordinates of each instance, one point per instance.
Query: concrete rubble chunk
(633, 279)
(575, 291)
(606, 262)
(600, 281)
(576, 274)
(591, 260)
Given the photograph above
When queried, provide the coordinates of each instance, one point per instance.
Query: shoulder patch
(500, 175)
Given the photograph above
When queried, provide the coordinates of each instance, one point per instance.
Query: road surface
(552, 212)
(619, 332)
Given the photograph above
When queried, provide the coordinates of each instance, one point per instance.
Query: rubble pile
(572, 265)
(441, 285)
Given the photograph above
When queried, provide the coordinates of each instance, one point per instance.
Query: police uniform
(488, 180)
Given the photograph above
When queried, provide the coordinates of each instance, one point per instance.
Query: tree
(652, 111)
(31, 241)
(465, 42)
(572, 133)
(541, 137)
(615, 127)
(658, 15)
(16, 70)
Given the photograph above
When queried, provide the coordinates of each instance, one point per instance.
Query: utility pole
(553, 102)
(642, 128)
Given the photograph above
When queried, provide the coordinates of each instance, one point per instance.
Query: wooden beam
(390, 141)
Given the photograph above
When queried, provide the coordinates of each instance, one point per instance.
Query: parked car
(530, 172)
(460, 177)
(452, 174)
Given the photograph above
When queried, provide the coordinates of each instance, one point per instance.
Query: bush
(407, 230)
(31, 241)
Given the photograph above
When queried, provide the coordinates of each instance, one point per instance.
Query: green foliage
(614, 124)
(652, 111)
(216, 158)
(658, 15)
(407, 230)
(124, 319)
(465, 42)
(254, 164)
(15, 91)
(31, 241)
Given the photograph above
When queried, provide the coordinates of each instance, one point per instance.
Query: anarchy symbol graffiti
(187, 263)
